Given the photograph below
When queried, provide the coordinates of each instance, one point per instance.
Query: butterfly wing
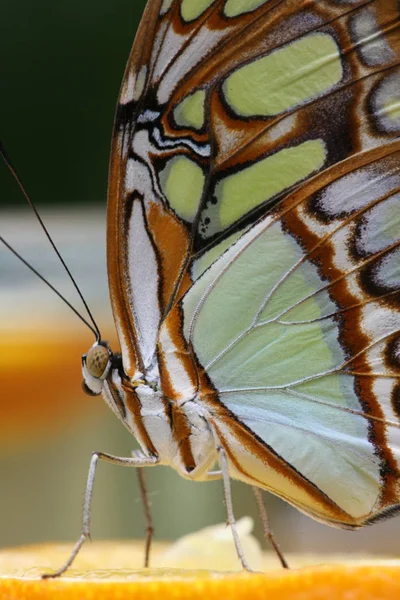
(297, 326)
(253, 228)
(181, 129)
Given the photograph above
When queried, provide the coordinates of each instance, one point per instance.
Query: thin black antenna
(7, 245)
(9, 164)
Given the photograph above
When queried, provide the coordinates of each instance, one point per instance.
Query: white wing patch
(356, 190)
(143, 280)
(373, 48)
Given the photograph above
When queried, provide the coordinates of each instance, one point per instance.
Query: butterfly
(253, 235)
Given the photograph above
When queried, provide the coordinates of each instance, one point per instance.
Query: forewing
(226, 105)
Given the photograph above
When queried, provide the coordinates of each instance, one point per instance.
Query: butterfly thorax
(176, 432)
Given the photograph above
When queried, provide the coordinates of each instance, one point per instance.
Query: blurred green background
(61, 68)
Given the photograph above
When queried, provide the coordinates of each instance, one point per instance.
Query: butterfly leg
(214, 475)
(136, 461)
(147, 515)
(268, 535)
(229, 506)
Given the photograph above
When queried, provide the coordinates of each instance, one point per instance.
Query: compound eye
(88, 391)
(97, 360)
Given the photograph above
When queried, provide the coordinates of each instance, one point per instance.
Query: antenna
(7, 245)
(95, 328)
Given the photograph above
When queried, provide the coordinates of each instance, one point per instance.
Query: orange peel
(363, 579)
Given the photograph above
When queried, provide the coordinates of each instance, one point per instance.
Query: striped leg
(229, 507)
(214, 475)
(147, 515)
(268, 535)
(139, 460)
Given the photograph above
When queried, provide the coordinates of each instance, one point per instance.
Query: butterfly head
(96, 365)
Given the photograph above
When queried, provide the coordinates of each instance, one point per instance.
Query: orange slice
(20, 571)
